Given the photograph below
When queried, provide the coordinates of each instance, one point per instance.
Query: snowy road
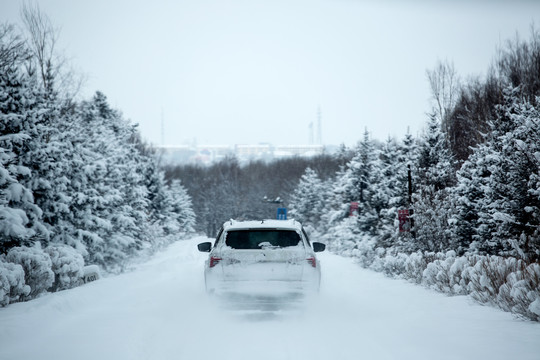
(160, 311)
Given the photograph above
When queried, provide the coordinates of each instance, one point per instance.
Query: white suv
(262, 257)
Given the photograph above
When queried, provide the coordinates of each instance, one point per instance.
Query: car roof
(262, 224)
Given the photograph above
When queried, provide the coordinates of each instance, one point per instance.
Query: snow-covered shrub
(468, 272)
(394, 265)
(343, 238)
(5, 286)
(37, 267)
(364, 251)
(458, 276)
(415, 265)
(534, 308)
(533, 271)
(434, 274)
(444, 278)
(12, 286)
(521, 293)
(446, 272)
(488, 275)
(431, 274)
(377, 263)
(67, 265)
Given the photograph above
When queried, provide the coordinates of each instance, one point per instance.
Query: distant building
(207, 154)
(299, 150)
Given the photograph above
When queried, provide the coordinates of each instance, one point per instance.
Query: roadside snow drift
(161, 311)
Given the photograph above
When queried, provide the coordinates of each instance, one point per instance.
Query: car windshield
(261, 239)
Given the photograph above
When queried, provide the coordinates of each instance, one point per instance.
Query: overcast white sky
(232, 72)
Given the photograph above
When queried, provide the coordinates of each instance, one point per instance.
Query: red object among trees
(404, 220)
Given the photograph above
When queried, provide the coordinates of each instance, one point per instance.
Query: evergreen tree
(468, 195)
(435, 174)
(359, 183)
(407, 162)
(509, 215)
(435, 161)
(307, 200)
(45, 156)
(337, 207)
(181, 212)
(107, 185)
(390, 192)
(20, 222)
(171, 214)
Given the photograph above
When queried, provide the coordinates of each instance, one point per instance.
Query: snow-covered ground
(160, 311)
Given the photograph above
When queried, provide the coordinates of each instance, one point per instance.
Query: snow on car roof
(262, 224)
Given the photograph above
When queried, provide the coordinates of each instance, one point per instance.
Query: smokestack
(162, 128)
(319, 130)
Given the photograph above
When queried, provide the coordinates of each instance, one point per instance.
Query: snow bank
(508, 283)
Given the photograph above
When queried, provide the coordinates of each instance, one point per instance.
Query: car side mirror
(318, 247)
(205, 247)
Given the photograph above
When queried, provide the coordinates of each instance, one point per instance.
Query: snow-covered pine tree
(181, 208)
(126, 166)
(93, 195)
(47, 157)
(158, 200)
(436, 165)
(468, 196)
(407, 160)
(435, 174)
(170, 211)
(390, 192)
(20, 220)
(509, 215)
(364, 177)
(107, 185)
(336, 207)
(307, 202)
(357, 182)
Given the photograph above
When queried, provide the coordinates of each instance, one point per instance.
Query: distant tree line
(77, 184)
(226, 190)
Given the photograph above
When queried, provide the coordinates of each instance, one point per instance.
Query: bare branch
(12, 47)
(42, 39)
(444, 83)
(55, 73)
